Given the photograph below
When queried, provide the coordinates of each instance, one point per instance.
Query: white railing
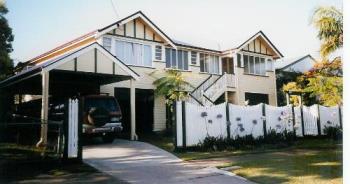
(220, 86)
(230, 80)
(198, 92)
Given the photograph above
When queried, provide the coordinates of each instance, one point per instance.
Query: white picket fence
(194, 123)
(73, 114)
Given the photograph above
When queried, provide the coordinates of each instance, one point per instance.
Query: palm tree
(329, 22)
(172, 86)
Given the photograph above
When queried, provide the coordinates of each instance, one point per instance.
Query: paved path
(139, 162)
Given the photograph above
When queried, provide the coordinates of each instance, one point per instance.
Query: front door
(227, 65)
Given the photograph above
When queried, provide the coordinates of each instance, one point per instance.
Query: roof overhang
(138, 14)
(52, 64)
(265, 38)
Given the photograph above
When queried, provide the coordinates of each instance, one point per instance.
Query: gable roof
(242, 43)
(285, 63)
(133, 16)
(68, 56)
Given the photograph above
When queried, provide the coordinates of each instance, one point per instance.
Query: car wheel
(108, 138)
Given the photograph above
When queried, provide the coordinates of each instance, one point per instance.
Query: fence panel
(329, 117)
(298, 121)
(279, 118)
(73, 129)
(246, 120)
(310, 116)
(204, 121)
(179, 136)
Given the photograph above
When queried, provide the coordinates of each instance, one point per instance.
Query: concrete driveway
(139, 162)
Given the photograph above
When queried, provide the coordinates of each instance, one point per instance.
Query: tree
(6, 37)
(324, 81)
(329, 22)
(172, 86)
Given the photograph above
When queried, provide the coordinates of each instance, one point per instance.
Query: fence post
(302, 119)
(340, 117)
(80, 130)
(228, 123)
(174, 121)
(184, 124)
(293, 115)
(65, 130)
(318, 120)
(264, 120)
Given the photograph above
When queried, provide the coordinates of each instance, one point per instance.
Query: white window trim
(177, 64)
(256, 55)
(135, 42)
(162, 59)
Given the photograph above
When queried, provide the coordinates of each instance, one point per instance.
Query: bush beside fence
(196, 123)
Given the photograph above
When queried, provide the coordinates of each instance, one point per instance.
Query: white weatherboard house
(245, 72)
(299, 64)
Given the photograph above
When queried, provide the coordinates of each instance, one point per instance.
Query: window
(194, 58)
(177, 59)
(134, 53)
(239, 64)
(107, 43)
(158, 52)
(269, 65)
(246, 67)
(256, 65)
(209, 63)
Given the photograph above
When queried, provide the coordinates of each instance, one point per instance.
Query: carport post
(44, 108)
(132, 110)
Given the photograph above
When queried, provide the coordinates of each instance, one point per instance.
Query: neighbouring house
(287, 70)
(244, 73)
(299, 64)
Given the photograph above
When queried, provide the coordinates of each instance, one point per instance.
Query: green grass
(308, 160)
(292, 166)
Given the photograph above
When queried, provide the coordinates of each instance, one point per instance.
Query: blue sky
(40, 25)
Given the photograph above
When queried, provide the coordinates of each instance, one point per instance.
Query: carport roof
(54, 62)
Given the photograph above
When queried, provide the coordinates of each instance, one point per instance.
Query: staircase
(211, 89)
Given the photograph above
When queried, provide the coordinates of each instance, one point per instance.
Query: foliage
(329, 22)
(6, 64)
(324, 82)
(172, 86)
(272, 137)
(282, 78)
(335, 133)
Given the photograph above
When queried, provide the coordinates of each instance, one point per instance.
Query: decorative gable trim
(134, 16)
(265, 38)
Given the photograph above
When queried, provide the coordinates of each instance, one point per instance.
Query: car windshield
(107, 103)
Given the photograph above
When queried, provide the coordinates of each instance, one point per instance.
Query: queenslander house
(243, 74)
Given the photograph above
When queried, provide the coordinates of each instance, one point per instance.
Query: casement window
(134, 53)
(194, 58)
(256, 65)
(158, 52)
(269, 65)
(176, 59)
(107, 43)
(209, 63)
(239, 60)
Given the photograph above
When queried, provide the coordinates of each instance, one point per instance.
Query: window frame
(142, 52)
(208, 63)
(194, 53)
(156, 50)
(185, 67)
(247, 69)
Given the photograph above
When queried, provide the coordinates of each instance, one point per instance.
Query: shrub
(335, 133)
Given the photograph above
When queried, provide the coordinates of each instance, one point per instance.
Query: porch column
(132, 110)
(44, 108)
(287, 98)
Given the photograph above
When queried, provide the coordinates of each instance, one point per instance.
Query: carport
(79, 71)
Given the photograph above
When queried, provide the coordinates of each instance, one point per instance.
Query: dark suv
(101, 116)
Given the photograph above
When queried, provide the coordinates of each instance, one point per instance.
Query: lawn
(24, 164)
(310, 160)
